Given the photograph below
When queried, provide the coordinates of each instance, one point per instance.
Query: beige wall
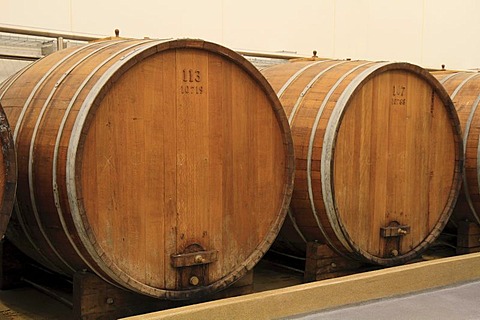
(425, 32)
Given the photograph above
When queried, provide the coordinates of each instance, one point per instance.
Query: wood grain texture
(132, 151)
(377, 145)
(464, 89)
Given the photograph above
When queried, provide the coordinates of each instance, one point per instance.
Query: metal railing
(48, 33)
(60, 36)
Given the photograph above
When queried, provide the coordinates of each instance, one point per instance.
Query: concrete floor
(446, 288)
(460, 302)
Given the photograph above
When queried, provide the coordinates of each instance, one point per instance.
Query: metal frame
(61, 35)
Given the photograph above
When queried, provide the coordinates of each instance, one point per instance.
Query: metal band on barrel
(280, 94)
(447, 78)
(328, 145)
(295, 225)
(11, 80)
(71, 165)
(466, 132)
(465, 135)
(32, 155)
(295, 109)
(15, 134)
(307, 87)
(295, 76)
(57, 146)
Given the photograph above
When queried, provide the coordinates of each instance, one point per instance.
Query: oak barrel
(8, 173)
(165, 167)
(464, 90)
(378, 157)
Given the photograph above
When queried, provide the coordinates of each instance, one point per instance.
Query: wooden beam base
(93, 298)
(90, 297)
(468, 237)
(323, 263)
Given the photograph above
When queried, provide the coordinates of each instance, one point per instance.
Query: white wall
(425, 32)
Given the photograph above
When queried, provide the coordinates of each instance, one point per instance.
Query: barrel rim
(76, 145)
(313, 130)
(328, 153)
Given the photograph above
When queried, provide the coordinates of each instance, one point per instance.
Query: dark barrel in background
(378, 155)
(165, 167)
(8, 173)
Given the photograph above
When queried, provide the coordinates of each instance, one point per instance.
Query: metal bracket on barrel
(192, 266)
(394, 231)
(193, 258)
(393, 234)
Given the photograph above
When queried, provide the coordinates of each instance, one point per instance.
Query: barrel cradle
(378, 157)
(464, 90)
(165, 167)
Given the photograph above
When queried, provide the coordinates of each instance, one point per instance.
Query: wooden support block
(468, 237)
(323, 263)
(93, 298)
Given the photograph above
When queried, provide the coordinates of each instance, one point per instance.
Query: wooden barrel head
(378, 157)
(171, 163)
(395, 173)
(183, 150)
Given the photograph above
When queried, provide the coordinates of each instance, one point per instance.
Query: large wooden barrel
(165, 167)
(8, 173)
(378, 157)
(464, 90)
